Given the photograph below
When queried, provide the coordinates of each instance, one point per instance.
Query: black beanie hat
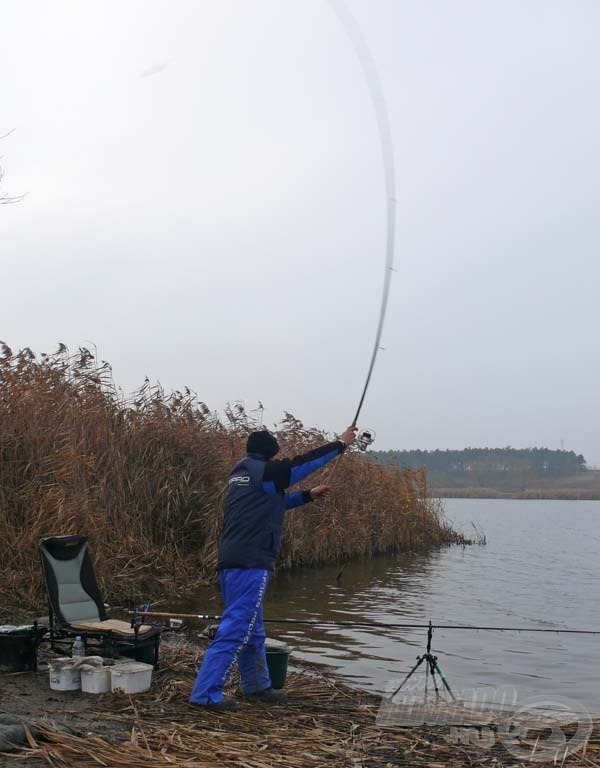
(262, 442)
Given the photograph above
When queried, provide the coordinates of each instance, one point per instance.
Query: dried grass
(145, 478)
(324, 724)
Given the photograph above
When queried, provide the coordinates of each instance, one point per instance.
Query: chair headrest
(63, 547)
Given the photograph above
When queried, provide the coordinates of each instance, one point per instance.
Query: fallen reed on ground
(324, 723)
(145, 479)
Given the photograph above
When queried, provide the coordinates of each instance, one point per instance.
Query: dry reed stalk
(146, 480)
(323, 724)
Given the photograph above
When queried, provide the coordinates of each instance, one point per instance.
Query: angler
(250, 543)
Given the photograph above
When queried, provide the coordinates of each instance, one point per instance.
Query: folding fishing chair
(75, 606)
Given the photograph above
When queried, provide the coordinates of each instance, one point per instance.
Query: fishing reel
(364, 439)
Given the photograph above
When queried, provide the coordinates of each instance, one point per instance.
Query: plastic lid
(130, 666)
(24, 630)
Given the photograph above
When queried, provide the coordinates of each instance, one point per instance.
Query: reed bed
(324, 724)
(145, 479)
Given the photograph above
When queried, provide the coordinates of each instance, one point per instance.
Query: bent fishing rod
(373, 82)
(141, 613)
(387, 151)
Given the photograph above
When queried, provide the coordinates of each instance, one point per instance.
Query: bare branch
(8, 199)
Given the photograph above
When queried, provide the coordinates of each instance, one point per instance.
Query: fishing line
(381, 112)
(141, 613)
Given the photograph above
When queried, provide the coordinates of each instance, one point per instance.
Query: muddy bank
(325, 723)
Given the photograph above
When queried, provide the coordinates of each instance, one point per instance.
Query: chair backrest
(73, 593)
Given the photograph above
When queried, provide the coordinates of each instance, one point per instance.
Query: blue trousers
(240, 637)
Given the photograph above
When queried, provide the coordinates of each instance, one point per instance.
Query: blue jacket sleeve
(297, 499)
(280, 474)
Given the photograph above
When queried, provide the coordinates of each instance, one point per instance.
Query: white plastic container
(64, 676)
(95, 680)
(131, 677)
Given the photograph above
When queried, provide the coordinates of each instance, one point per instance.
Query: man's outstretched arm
(298, 498)
(282, 473)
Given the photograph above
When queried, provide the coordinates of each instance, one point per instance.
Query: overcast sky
(206, 204)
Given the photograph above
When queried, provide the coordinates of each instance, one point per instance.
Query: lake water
(540, 568)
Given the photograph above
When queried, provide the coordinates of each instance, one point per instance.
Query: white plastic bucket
(95, 680)
(63, 675)
(131, 677)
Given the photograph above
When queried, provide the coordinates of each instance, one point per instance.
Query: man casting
(249, 547)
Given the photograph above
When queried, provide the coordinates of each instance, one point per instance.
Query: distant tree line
(490, 467)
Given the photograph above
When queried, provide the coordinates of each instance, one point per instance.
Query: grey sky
(206, 204)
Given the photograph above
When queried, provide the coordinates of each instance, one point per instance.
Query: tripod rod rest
(429, 636)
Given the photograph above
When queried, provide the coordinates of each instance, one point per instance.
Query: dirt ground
(324, 724)
(108, 716)
(28, 694)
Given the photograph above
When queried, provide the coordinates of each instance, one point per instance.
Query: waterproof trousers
(240, 638)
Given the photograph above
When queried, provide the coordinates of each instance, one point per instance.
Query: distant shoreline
(501, 473)
(556, 494)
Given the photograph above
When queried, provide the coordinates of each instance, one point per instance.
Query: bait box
(96, 680)
(131, 677)
(64, 676)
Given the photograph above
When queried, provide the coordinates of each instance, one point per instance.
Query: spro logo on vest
(240, 480)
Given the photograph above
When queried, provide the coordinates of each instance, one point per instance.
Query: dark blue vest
(257, 502)
(253, 518)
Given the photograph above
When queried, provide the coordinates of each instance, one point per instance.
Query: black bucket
(18, 648)
(278, 654)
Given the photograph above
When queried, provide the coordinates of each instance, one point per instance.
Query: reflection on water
(539, 569)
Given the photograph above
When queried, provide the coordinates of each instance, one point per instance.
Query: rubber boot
(226, 704)
(268, 696)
